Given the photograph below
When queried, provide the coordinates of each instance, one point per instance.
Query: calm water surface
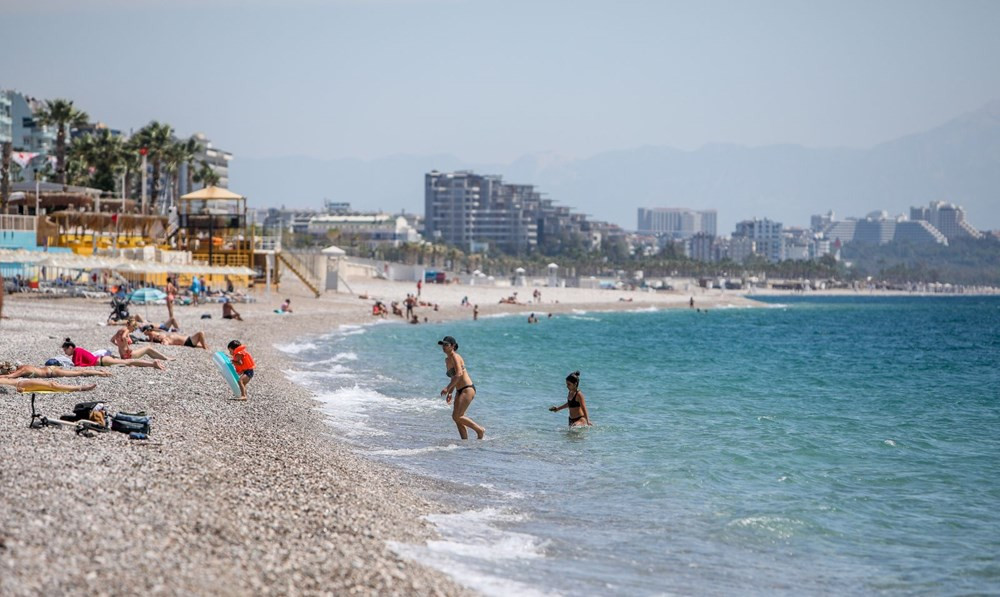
(816, 446)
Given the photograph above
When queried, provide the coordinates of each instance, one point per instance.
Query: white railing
(267, 243)
(11, 222)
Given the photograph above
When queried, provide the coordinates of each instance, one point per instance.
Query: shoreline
(228, 497)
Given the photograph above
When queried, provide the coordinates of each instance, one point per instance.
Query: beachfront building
(767, 236)
(948, 218)
(6, 118)
(27, 132)
(477, 212)
(481, 212)
(369, 230)
(676, 222)
(217, 159)
(879, 228)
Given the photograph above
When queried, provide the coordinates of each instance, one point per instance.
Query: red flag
(114, 218)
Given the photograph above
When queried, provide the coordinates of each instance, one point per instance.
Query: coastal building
(370, 230)
(875, 229)
(948, 218)
(879, 228)
(676, 222)
(481, 212)
(27, 132)
(702, 246)
(766, 235)
(740, 248)
(469, 210)
(217, 159)
(6, 118)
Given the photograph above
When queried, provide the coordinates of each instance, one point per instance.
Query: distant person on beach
(85, 358)
(228, 311)
(463, 387)
(409, 302)
(243, 363)
(195, 340)
(123, 340)
(420, 284)
(171, 297)
(475, 312)
(195, 289)
(10, 370)
(691, 302)
(286, 307)
(578, 416)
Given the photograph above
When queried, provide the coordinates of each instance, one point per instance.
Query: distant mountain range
(958, 162)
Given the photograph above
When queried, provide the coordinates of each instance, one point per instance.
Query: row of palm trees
(105, 161)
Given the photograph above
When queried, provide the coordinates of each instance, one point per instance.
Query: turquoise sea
(815, 446)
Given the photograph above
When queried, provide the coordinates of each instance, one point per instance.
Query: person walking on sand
(578, 416)
(463, 387)
(195, 289)
(243, 363)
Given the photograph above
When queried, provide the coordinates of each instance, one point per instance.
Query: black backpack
(82, 410)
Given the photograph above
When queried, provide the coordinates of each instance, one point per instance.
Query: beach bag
(82, 410)
(130, 424)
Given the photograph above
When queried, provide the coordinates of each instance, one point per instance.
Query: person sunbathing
(10, 370)
(195, 340)
(123, 341)
(84, 358)
(43, 385)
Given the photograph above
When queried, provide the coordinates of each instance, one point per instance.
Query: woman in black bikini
(461, 383)
(578, 416)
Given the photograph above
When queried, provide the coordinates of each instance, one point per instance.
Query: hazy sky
(489, 81)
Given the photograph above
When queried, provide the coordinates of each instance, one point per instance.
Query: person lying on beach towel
(195, 340)
(10, 370)
(43, 385)
(85, 358)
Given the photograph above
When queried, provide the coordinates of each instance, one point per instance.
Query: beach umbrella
(520, 270)
(148, 295)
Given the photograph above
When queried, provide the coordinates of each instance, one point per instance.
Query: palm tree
(61, 113)
(173, 159)
(104, 155)
(157, 139)
(206, 175)
(190, 148)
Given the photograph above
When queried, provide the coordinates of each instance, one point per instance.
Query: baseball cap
(448, 340)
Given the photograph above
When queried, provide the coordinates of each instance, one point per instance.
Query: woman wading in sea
(578, 415)
(462, 385)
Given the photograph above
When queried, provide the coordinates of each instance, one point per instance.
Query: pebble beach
(225, 497)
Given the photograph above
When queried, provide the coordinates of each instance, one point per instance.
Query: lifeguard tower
(212, 224)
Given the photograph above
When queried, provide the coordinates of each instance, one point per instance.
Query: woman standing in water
(578, 416)
(462, 385)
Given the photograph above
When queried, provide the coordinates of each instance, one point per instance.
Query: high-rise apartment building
(767, 236)
(476, 211)
(676, 222)
(29, 134)
(6, 118)
(217, 159)
(948, 218)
